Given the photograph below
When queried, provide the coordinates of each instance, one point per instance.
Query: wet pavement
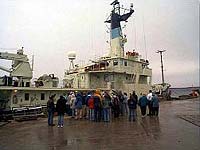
(171, 130)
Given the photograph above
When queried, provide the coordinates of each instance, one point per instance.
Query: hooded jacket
(78, 103)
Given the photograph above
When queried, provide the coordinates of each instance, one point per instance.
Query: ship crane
(20, 67)
(163, 88)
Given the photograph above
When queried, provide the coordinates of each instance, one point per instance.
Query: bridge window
(143, 79)
(115, 63)
(26, 96)
(42, 96)
(125, 63)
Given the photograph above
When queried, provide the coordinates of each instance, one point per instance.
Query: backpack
(96, 101)
(132, 103)
(115, 101)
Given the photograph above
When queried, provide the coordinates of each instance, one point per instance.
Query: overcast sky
(49, 29)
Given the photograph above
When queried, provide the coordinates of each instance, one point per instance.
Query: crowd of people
(101, 106)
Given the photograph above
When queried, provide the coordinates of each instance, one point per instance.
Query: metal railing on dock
(27, 113)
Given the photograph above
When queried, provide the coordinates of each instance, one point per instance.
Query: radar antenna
(71, 57)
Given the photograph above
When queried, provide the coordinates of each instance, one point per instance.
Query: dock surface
(176, 128)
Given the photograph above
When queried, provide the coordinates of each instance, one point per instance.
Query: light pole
(161, 51)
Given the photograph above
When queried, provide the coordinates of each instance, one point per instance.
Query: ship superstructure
(120, 70)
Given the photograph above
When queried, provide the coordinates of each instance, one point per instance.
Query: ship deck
(177, 127)
(45, 89)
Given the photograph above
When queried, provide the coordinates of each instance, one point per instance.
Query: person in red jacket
(91, 108)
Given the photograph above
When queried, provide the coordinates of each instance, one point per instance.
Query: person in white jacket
(72, 104)
(149, 98)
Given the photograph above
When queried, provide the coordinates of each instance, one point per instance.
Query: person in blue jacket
(78, 106)
(155, 105)
(143, 102)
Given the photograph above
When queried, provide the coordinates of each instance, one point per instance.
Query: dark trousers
(143, 110)
(91, 114)
(131, 114)
(121, 108)
(155, 111)
(150, 108)
(68, 110)
(106, 114)
(116, 111)
(97, 114)
(50, 117)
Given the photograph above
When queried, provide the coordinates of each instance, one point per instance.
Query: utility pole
(161, 59)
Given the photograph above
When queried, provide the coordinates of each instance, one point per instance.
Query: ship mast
(117, 40)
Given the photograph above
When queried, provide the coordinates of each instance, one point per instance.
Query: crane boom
(5, 69)
(10, 56)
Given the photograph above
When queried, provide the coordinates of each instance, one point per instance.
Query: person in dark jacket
(121, 101)
(84, 112)
(143, 102)
(50, 110)
(61, 108)
(97, 105)
(136, 98)
(116, 106)
(132, 107)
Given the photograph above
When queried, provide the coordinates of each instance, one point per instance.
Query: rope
(144, 36)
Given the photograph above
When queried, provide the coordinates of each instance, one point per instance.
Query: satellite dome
(71, 55)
